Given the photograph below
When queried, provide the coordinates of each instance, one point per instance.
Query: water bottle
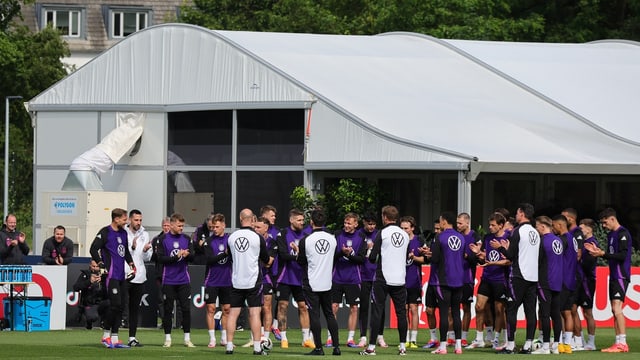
(29, 322)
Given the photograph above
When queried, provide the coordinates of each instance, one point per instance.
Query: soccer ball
(537, 344)
(266, 344)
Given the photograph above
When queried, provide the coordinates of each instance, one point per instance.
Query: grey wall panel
(63, 136)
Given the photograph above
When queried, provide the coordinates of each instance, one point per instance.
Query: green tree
(504, 20)
(301, 199)
(9, 9)
(29, 64)
(351, 195)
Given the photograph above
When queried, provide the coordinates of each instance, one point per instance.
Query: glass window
(258, 188)
(510, 193)
(204, 183)
(65, 21)
(126, 22)
(270, 137)
(201, 137)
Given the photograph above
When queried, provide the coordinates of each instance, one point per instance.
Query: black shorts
(568, 298)
(585, 293)
(414, 296)
(284, 292)
(267, 288)
(618, 289)
(252, 297)
(221, 293)
(430, 299)
(351, 294)
(467, 294)
(495, 291)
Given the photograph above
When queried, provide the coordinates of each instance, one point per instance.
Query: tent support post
(464, 193)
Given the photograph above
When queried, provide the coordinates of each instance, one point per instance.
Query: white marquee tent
(392, 101)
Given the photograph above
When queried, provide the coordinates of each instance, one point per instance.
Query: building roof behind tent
(421, 89)
(408, 87)
(598, 81)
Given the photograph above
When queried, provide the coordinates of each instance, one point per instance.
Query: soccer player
(522, 249)
(447, 258)
(268, 214)
(570, 280)
(346, 275)
(246, 250)
(367, 275)
(618, 254)
(413, 280)
(217, 280)
(492, 284)
(110, 251)
(586, 289)
(175, 251)
(463, 225)
(430, 302)
(550, 285)
(317, 255)
(290, 279)
(574, 230)
(390, 252)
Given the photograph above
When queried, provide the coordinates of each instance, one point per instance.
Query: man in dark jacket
(93, 300)
(13, 247)
(58, 249)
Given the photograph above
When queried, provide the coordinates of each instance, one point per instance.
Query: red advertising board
(601, 308)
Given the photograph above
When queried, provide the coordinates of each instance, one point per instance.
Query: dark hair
(408, 219)
(504, 212)
(560, 217)
(465, 216)
(498, 218)
(260, 219)
(571, 211)
(135, 212)
(370, 216)
(318, 217)
(449, 217)
(177, 217)
(59, 227)
(118, 212)
(608, 212)
(527, 209)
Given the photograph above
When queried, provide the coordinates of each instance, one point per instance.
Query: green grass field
(85, 344)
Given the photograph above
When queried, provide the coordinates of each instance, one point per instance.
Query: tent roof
(507, 107)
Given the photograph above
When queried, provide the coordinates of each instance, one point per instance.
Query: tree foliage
(9, 9)
(346, 195)
(500, 20)
(29, 64)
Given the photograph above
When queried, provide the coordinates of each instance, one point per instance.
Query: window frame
(122, 12)
(54, 10)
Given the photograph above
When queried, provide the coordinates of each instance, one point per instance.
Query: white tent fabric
(169, 65)
(598, 80)
(423, 99)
